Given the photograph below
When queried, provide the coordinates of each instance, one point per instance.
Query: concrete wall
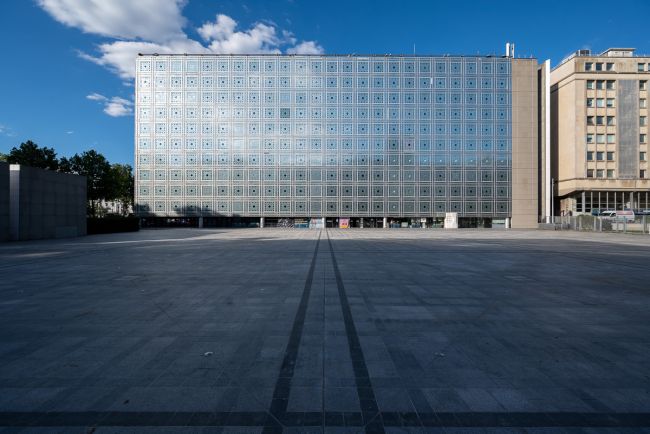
(544, 136)
(46, 204)
(4, 201)
(525, 145)
(568, 129)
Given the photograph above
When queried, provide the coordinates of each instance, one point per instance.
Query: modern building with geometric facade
(364, 138)
(600, 131)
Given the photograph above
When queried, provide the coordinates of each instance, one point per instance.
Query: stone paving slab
(278, 330)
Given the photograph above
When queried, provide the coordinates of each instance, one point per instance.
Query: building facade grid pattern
(275, 135)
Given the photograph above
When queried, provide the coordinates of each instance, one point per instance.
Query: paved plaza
(336, 331)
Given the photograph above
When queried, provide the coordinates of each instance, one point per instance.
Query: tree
(65, 165)
(97, 171)
(3, 157)
(30, 154)
(104, 181)
(120, 185)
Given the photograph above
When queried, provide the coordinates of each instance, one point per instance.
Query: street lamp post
(552, 200)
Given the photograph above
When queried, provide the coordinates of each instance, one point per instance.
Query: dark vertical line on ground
(280, 400)
(369, 408)
(323, 359)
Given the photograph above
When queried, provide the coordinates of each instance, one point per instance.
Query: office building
(360, 139)
(599, 126)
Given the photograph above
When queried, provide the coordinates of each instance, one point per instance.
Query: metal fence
(589, 223)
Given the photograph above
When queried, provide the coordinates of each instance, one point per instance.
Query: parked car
(626, 215)
(623, 216)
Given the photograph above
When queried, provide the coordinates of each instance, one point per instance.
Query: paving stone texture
(326, 331)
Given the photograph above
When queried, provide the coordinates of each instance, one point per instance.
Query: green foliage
(30, 154)
(96, 168)
(121, 185)
(105, 182)
(3, 157)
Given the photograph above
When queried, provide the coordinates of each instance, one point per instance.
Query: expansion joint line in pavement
(280, 401)
(369, 407)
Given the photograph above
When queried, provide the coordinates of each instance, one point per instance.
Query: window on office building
(600, 102)
(610, 84)
(611, 138)
(611, 121)
(590, 173)
(610, 156)
(599, 66)
(590, 120)
(590, 102)
(640, 67)
(590, 155)
(590, 138)
(643, 103)
(609, 66)
(610, 173)
(643, 85)
(610, 102)
(642, 173)
(643, 156)
(590, 84)
(600, 156)
(600, 85)
(589, 66)
(642, 138)
(643, 121)
(600, 173)
(600, 120)
(600, 138)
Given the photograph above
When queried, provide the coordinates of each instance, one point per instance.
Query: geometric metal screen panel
(278, 135)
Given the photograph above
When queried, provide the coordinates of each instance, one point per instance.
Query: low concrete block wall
(4, 201)
(46, 204)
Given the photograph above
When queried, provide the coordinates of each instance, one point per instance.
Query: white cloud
(220, 29)
(156, 26)
(222, 38)
(96, 97)
(115, 106)
(306, 47)
(6, 131)
(261, 38)
(151, 20)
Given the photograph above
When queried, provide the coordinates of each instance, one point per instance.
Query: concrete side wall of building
(544, 137)
(567, 141)
(46, 204)
(525, 145)
(4, 201)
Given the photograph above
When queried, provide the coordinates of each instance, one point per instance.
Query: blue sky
(65, 76)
